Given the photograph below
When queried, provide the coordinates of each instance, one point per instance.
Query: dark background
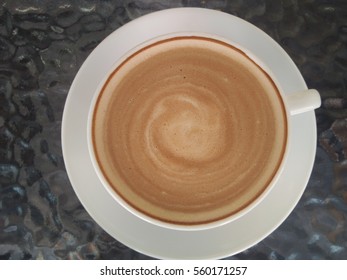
(42, 46)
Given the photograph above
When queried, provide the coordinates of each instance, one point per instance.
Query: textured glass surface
(42, 46)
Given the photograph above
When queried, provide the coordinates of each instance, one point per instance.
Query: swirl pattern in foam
(189, 130)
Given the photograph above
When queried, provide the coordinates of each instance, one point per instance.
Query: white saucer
(165, 243)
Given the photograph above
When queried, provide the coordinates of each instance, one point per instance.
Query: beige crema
(189, 130)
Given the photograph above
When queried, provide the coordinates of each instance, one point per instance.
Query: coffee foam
(189, 130)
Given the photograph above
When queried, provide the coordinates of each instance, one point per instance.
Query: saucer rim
(79, 178)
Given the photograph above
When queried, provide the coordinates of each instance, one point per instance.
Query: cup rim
(173, 226)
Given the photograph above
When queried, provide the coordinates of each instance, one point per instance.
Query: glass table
(42, 46)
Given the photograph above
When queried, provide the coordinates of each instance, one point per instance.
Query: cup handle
(303, 101)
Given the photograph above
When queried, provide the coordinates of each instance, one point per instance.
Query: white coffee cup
(295, 103)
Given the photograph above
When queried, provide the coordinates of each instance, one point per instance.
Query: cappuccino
(189, 130)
